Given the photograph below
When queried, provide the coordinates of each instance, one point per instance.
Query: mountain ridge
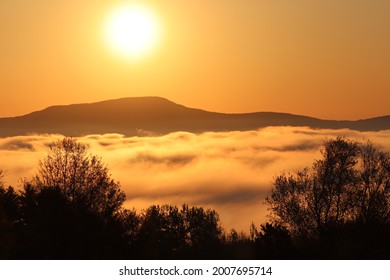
(134, 116)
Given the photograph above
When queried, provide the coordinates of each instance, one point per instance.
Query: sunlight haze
(131, 31)
(326, 59)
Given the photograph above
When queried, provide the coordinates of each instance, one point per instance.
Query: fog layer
(230, 172)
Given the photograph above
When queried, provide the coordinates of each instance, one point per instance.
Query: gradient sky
(324, 58)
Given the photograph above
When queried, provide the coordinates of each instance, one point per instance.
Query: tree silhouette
(9, 203)
(272, 241)
(166, 232)
(373, 189)
(10, 218)
(350, 183)
(82, 178)
(162, 233)
(203, 230)
(72, 208)
(55, 229)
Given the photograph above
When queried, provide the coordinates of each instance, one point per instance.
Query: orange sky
(325, 58)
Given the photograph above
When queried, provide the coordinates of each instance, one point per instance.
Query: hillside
(142, 115)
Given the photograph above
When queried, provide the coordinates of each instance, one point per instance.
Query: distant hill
(140, 115)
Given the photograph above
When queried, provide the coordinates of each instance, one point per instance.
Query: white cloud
(230, 172)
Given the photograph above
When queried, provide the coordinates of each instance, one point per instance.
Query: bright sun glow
(131, 30)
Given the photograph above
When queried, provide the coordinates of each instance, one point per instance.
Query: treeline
(337, 209)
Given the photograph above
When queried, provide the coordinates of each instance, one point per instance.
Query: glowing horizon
(325, 59)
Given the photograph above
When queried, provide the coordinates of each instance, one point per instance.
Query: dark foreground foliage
(43, 224)
(72, 209)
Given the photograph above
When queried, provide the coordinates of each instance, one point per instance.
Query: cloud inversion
(230, 172)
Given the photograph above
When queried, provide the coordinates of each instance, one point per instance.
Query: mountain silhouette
(143, 115)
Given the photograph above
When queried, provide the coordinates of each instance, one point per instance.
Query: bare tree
(373, 193)
(333, 181)
(82, 178)
(350, 183)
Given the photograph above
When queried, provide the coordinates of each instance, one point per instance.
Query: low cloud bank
(230, 172)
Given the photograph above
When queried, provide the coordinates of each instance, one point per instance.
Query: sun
(131, 30)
